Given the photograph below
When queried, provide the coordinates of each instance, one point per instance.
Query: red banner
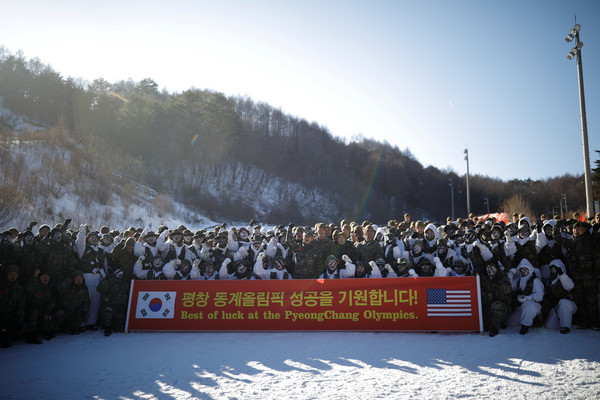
(385, 304)
(499, 217)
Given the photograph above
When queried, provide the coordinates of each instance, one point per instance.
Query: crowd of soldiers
(72, 280)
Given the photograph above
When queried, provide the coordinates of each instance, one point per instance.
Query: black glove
(230, 268)
(150, 275)
(291, 225)
(252, 222)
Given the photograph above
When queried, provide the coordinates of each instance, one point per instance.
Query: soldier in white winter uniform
(559, 295)
(530, 293)
(267, 268)
(92, 261)
(338, 269)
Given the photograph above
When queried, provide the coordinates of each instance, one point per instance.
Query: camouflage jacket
(496, 288)
(72, 298)
(581, 254)
(12, 302)
(115, 291)
(369, 251)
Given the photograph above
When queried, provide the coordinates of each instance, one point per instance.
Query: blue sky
(431, 76)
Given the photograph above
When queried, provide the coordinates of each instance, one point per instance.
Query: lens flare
(118, 96)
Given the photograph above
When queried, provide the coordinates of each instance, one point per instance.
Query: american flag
(448, 303)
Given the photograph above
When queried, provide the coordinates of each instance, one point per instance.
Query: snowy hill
(49, 176)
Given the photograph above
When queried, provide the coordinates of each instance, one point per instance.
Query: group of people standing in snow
(65, 280)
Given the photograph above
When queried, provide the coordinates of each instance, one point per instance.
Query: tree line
(181, 141)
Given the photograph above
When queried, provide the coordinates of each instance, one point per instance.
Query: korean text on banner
(386, 304)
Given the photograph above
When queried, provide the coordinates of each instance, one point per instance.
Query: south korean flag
(155, 305)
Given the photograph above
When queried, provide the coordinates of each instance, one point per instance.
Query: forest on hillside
(179, 142)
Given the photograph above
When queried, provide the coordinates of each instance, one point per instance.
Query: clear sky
(435, 77)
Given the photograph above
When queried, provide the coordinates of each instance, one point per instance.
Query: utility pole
(452, 196)
(563, 199)
(468, 197)
(576, 51)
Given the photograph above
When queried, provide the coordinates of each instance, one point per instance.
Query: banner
(384, 304)
(499, 217)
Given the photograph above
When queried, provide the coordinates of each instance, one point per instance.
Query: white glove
(82, 227)
(142, 258)
(242, 252)
(412, 273)
(261, 255)
(102, 273)
(522, 298)
(512, 273)
(346, 258)
(436, 260)
(177, 262)
(373, 264)
(196, 263)
(226, 261)
(389, 268)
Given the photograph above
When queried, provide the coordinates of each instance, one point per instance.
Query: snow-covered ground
(304, 365)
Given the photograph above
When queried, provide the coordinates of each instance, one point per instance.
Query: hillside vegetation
(96, 143)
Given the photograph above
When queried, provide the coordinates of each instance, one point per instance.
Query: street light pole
(452, 196)
(576, 51)
(468, 197)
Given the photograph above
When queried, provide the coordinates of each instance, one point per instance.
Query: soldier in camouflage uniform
(405, 225)
(12, 305)
(115, 297)
(370, 249)
(306, 266)
(58, 256)
(28, 256)
(582, 270)
(324, 247)
(497, 245)
(357, 235)
(343, 246)
(39, 308)
(73, 304)
(496, 298)
(124, 258)
(7, 251)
